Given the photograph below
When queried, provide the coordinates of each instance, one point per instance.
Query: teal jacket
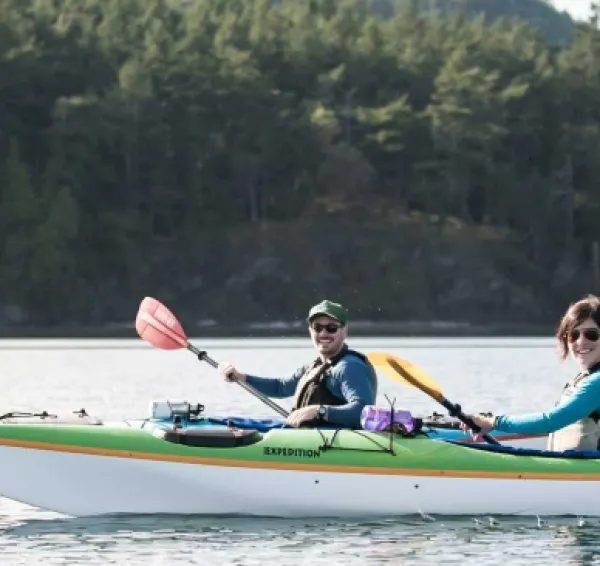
(580, 405)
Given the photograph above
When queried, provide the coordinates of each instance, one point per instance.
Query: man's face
(327, 335)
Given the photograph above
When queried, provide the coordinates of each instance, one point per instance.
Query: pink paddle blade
(156, 324)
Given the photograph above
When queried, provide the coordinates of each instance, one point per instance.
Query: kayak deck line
(306, 467)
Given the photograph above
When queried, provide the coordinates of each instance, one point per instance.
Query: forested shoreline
(242, 160)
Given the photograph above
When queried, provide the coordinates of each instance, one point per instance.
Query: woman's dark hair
(588, 307)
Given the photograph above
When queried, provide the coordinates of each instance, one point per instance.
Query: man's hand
(230, 372)
(305, 414)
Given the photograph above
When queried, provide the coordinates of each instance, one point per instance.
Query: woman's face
(584, 343)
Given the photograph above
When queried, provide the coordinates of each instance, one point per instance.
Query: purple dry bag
(380, 419)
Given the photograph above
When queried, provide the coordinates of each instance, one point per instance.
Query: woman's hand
(485, 423)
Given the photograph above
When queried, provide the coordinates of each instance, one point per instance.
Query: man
(335, 388)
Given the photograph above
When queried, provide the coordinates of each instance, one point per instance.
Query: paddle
(157, 325)
(406, 373)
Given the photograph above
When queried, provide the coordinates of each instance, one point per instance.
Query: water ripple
(31, 536)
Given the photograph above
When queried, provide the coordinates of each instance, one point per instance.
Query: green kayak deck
(342, 451)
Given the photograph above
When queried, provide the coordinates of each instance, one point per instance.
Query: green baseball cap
(330, 309)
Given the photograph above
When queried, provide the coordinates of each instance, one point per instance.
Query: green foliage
(130, 131)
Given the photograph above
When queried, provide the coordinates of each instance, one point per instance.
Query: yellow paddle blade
(406, 373)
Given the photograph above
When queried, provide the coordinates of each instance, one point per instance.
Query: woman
(573, 424)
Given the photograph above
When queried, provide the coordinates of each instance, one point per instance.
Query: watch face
(322, 411)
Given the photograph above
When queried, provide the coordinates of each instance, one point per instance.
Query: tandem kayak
(81, 466)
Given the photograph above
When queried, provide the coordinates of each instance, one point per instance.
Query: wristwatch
(322, 412)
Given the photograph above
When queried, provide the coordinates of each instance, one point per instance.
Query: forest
(240, 161)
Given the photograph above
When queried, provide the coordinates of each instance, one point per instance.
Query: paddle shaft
(203, 356)
(453, 409)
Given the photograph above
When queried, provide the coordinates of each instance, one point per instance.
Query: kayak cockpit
(526, 451)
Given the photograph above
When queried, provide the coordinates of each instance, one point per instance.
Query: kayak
(79, 465)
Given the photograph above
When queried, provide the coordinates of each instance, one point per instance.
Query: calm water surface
(117, 379)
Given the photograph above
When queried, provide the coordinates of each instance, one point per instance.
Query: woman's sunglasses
(590, 334)
(331, 328)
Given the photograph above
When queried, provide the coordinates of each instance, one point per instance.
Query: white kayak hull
(88, 485)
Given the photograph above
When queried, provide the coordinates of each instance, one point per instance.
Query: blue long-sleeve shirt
(349, 379)
(585, 400)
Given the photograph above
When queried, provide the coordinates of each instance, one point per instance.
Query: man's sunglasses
(590, 334)
(331, 328)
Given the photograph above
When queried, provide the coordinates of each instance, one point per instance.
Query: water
(117, 379)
